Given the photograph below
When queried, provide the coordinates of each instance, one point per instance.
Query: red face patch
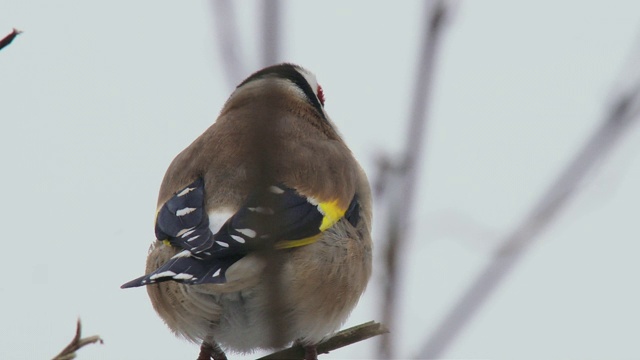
(320, 95)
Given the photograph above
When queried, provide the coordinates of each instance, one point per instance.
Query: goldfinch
(271, 177)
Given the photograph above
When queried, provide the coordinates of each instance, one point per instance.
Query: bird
(263, 224)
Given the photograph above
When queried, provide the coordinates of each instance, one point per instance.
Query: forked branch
(69, 352)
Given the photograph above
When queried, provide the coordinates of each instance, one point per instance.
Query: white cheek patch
(313, 82)
(311, 79)
(217, 218)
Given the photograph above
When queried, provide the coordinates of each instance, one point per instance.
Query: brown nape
(274, 94)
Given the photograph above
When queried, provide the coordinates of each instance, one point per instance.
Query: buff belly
(316, 299)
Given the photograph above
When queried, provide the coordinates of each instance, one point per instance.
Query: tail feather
(187, 270)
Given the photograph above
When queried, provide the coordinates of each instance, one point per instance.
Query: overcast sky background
(96, 98)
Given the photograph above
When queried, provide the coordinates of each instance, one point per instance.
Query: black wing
(276, 216)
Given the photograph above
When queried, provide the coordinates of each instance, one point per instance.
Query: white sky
(97, 97)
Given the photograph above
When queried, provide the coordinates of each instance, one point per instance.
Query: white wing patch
(261, 210)
(185, 211)
(183, 276)
(185, 231)
(185, 191)
(276, 190)
(247, 232)
(167, 273)
(217, 218)
(183, 253)
(238, 239)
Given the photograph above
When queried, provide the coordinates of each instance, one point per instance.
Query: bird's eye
(320, 95)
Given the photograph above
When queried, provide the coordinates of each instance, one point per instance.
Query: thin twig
(622, 114)
(9, 38)
(69, 352)
(263, 154)
(227, 35)
(402, 193)
(341, 339)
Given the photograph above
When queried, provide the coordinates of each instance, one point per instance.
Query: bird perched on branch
(263, 224)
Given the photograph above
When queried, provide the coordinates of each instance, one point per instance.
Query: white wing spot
(185, 191)
(275, 189)
(187, 233)
(162, 274)
(223, 244)
(193, 238)
(185, 211)
(217, 273)
(183, 253)
(183, 276)
(238, 239)
(218, 218)
(183, 231)
(261, 210)
(247, 232)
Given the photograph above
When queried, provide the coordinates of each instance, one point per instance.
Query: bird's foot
(211, 351)
(310, 352)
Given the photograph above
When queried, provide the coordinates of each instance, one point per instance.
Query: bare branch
(69, 352)
(229, 41)
(341, 339)
(621, 115)
(9, 38)
(402, 193)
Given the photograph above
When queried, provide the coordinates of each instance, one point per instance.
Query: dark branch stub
(9, 38)
(69, 352)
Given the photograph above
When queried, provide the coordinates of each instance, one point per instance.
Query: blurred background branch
(621, 115)
(396, 182)
(229, 41)
(271, 32)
